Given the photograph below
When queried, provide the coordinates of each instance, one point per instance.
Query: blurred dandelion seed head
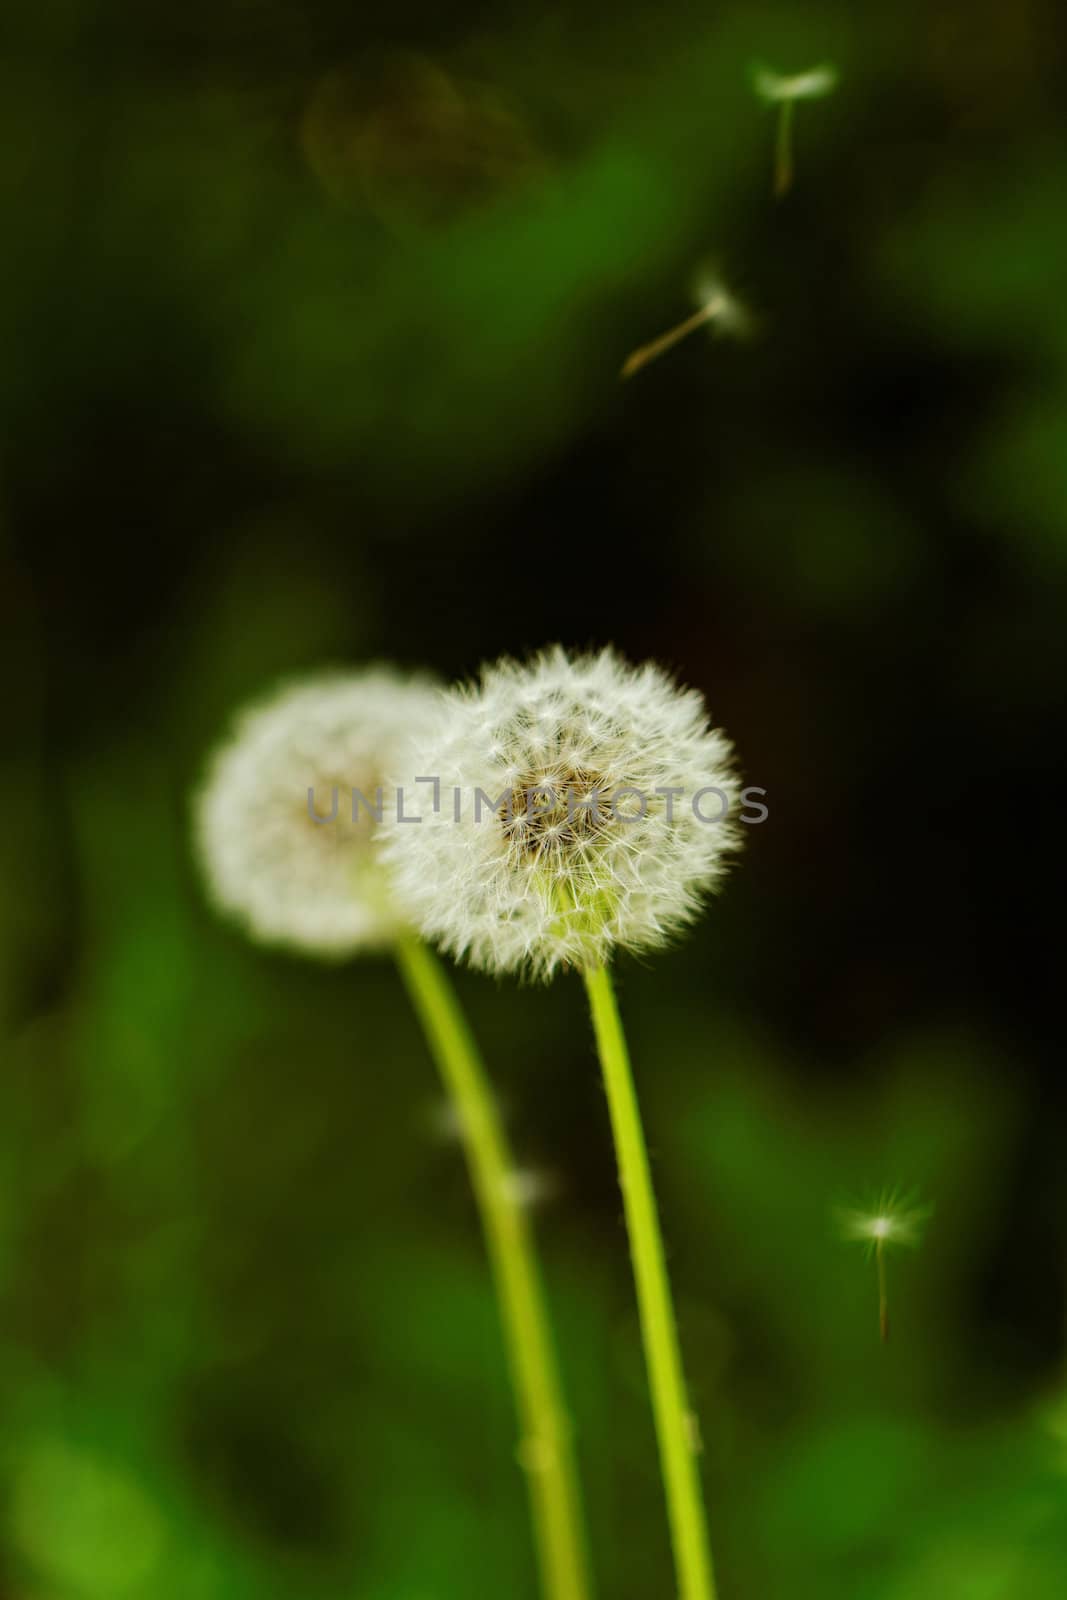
(320, 745)
(585, 855)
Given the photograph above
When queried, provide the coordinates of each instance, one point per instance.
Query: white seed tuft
(892, 1220)
(775, 87)
(588, 852)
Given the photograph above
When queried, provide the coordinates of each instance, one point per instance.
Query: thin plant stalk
(783, 159)
(675, 1426)
(545, 1450)
(883, 1291)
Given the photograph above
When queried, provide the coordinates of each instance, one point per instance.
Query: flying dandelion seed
(530, 1187)
(784, 92)
(717, 309)
(891, 1222)
(444, 1121)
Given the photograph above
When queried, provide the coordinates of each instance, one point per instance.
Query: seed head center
(557, 811)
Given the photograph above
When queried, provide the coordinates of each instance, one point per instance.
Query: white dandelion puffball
(583, 804)
(285, 817)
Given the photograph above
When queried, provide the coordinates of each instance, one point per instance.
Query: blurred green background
(312, 322)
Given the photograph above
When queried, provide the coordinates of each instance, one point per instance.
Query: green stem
(783, 160)
(674, 1422)
(545, 1450)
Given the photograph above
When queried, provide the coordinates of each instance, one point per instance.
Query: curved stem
(545, 1450)
(675, 1425)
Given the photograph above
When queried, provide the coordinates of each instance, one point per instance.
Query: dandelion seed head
(286, 878)
(584, 856)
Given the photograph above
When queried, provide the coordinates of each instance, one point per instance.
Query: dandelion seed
(445, 1121)
(811, 85)
(891, 1222)
(286, 814)
(528, 1188)
(784, 92)
(596, 844)
(696, 1438)
(717, 308)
